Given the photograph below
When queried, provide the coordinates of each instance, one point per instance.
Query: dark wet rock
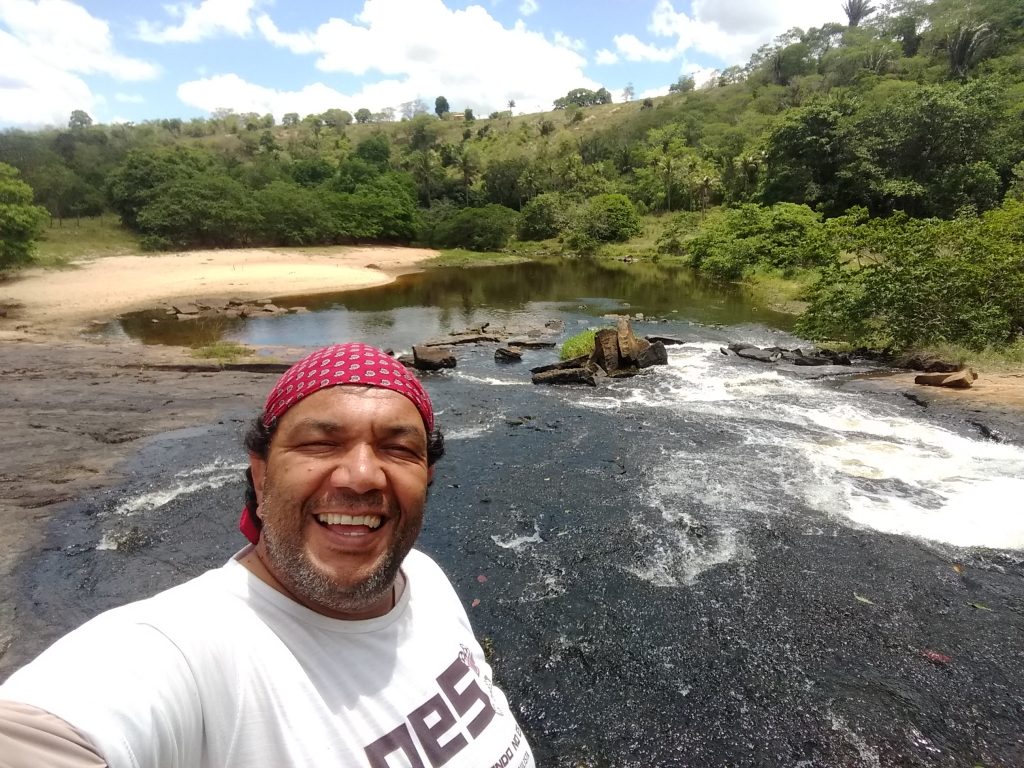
(668, 341)
(930, 364)
(432, 358)
(655, 354)
(566, 376)
(407, 360)
(575, 362)
(508, 355)
(755, 353)
(958, 380)
(606, 351)
(218, 304)
(555, 325)
(531, 343)
(461, 338)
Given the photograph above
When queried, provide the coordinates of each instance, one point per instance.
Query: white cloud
(129, 98)
(604, 56)
(64, 35)
(199, 22)
(729, 30)
(231, 91)
(45, 48)
(572, 43)
(422, 49)
(631, 49)
(528, 7)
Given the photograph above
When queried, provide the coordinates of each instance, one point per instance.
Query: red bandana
(332, 366)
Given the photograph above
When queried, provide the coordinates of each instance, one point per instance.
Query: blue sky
(134, 61)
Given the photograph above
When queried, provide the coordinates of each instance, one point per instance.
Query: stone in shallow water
(508, 355)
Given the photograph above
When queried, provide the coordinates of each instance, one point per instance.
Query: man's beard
(284, 545)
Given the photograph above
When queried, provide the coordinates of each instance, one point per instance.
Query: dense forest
(877, 163)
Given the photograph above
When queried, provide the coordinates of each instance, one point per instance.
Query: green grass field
(86, 238)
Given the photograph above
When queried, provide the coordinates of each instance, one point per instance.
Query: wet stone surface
(674, 574)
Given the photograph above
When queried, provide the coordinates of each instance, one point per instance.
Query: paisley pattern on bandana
(339, 364)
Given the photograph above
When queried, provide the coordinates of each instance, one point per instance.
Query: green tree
(441, 106)
(79, 119)
(468, 115)
(21, 222)
(290, 119)
(209, 209)
(363, 115)
(336, 118)
(376, 150)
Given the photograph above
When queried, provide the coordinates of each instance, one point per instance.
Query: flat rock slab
(531, 343)
(959, 380)
(668, 341)
(566, 376)
(464, 338)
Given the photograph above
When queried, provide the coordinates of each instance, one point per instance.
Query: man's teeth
(371, 521)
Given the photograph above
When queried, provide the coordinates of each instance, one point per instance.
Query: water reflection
(442, 299)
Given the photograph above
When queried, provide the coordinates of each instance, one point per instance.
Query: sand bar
(59, 302)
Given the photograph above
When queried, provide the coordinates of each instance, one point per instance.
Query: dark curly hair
(257, 442)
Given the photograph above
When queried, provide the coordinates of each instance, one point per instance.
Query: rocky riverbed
(662, 567)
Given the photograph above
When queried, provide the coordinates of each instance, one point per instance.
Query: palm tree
(966, 45)
(857, 10)
(469, 166)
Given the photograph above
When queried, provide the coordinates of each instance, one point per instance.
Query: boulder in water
(432, 358)
(566, 376)
(508, 355)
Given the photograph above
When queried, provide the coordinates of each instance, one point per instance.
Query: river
(714, 563)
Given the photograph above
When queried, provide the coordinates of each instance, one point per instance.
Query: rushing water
(715, 563)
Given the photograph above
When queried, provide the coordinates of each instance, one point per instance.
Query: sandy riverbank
(59, 302)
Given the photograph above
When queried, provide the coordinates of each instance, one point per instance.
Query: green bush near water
(577, 346)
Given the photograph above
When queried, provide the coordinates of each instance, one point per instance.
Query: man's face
(341, 495)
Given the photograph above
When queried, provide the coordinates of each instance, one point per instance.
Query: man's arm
(124, 687)
(31, 737)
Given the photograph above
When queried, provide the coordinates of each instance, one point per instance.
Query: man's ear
(258, 467)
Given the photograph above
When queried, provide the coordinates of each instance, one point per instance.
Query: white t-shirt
(224, 671)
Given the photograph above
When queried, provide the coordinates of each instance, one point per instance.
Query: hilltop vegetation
(879, 160)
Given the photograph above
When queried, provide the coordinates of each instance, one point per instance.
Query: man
(327, 641)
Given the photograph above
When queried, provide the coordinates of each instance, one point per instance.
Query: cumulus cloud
(528, 7)
(198, 22)
(233, 92)
(729, 30)
(45, 48)
(572, 43)
(604, 56)
(422, 50)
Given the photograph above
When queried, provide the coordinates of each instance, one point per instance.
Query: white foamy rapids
(214, 475)
(518, 542)
(786, 444)
(466, 433)
(491, 380)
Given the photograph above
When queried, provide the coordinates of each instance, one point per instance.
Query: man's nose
(360, 470)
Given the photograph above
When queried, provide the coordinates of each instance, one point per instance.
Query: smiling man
(328, 641)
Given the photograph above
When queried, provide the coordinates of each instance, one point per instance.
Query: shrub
(577, 346)
(912, 283)
(609, 218)
(21, 222)
(478, 229)
(730, 241)
(544, 216)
